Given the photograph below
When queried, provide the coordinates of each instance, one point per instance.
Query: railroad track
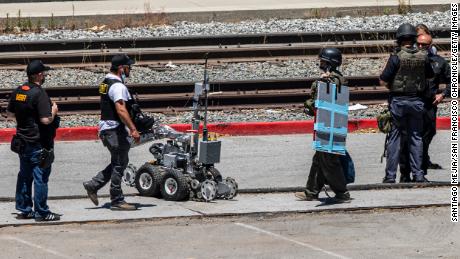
(224, 94)
(195, 47)
(187, 41)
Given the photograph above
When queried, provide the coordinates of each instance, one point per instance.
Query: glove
(309, 107)
(384, 121)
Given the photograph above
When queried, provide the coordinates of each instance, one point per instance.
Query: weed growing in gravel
(7, 24)
(316, 13)
(22, 24)
(387, 11)
(404, 7)
(38, 26)
(19, 20)
(152, 18)
(52, 22)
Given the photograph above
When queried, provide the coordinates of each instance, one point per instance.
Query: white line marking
(36, 246)
(291, 240)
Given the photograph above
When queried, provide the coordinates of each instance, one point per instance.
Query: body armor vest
(108, 111)
(410, 77)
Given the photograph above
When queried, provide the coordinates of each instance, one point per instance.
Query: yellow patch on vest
(21, 97)
(103, 88)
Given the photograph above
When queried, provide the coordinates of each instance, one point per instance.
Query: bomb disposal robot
(183, 168)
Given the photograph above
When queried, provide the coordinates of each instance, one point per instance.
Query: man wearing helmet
(326, 167)
(432, 98)
(405, 75)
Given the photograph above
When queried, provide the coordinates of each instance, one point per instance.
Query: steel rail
(188, 87)
(201, 40)
(228, 94)
(198, 52)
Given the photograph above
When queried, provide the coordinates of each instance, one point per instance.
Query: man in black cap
(37, 121)
(114, 128)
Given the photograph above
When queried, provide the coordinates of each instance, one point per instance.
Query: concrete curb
(230, 128)
(227, 215)
(86, 21)
(352, 187)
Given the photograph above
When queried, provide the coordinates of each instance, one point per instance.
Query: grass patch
(404, 7)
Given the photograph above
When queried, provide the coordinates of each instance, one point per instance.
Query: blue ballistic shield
(331, 123)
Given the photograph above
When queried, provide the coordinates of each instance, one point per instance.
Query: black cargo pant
(326, 169)
(429, 131)
(117, 143)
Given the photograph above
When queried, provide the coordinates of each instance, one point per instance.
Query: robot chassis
(183, 168)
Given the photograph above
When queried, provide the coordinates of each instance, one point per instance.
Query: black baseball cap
(121, 60)
(35, 67)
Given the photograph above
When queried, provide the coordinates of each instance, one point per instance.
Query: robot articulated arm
(160, 131)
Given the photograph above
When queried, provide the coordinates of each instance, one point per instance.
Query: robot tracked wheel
(129, 174)
(208, 190)
(148, 180)
(233, 185)
(174, 185)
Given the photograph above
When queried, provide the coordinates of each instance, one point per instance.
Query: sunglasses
(423, 44)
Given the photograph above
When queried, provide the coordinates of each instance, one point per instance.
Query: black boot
(92, 194)
(405, 178)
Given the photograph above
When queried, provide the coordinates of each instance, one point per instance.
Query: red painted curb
(230, 128)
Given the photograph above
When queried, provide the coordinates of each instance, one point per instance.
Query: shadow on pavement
(107, 206)
(330, 201)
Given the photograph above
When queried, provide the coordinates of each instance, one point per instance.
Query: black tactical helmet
(406, 30)
(332, 56)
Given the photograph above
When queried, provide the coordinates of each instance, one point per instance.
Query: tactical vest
(108, 111)
(338, 78)
(410, 78)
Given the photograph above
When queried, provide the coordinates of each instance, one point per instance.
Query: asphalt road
(415, 233)
(255, 162)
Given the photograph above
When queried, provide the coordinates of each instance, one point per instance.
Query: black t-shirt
(442, 74)
(29, 103)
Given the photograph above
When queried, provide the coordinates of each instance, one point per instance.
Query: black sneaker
(388, 180)
(343, 197)
(123, 206)
(304, 197)
(92, 194)
(29, 215)
(49, 217)
(434, 166)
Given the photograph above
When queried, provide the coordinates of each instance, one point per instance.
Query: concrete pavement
(255, 162)
(273, 225)
(82, 210)
(81, 8)
(207, 10)
(417, 233)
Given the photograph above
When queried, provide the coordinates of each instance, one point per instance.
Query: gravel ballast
(230, 71)
(188, 72)
(250, 115)
(184, 28)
